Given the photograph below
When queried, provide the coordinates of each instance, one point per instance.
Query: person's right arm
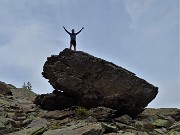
(66, 30)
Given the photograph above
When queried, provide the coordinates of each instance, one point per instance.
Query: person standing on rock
(73, 37)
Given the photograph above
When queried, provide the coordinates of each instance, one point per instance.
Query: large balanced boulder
(95, 82)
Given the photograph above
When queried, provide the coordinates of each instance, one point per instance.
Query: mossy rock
(162, 123)
(81, 111)
(3, 101)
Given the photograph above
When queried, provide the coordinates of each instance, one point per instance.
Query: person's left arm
(80, 31)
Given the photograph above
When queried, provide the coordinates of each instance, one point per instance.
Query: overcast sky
(139, 35)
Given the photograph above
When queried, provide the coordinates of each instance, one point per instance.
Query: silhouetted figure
(73, 37)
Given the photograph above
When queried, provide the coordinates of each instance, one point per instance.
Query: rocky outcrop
(102, 113)
(79, 129)
(4, 90)
(94, 82)
(16, 108)
(19, 116)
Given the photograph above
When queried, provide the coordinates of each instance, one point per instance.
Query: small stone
(30, 131)
(10, 115)
(1, 108)
(19, 124)
(102, 113)
(26, 122)
(58, 115)
(111, 134)
(164, 129)
(10, 97)
(3, 114)
(39, 122)
(124, 119)
(123, 126)
(13, 123)
(134, 132)
(32, 110)
(88, 129)
(26, 108)
(172, 132)
(139, 124)
(2, 126)
(20, 118)
(159, 131)
(172, 120)
(109, 128)
(91, 119)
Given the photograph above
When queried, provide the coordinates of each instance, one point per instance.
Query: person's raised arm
(66, 30)
(80, 31)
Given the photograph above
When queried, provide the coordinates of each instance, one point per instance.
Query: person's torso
(73, 36)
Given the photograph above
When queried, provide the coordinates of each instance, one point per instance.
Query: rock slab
(94, 82)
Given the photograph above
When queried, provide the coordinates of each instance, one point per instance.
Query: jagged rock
(23, 93)
(27, 121)
(58, 115)
(102, 113)
(4, 90)
(159, 131)
(162, 123)
(174, 129)
(172, 112)
(13, 109)
(29, 131)
(134, 132)
(2, 124)
(91, 119)
(123, 126)
(5, 124)
(96, 82)
(124, 119)
(80, 129)
(139, 124)
(38, 122)
(12, 92)
(175, 126)
(111, 134)
(109, 128)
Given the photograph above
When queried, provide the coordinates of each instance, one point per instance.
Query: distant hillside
(18, 92)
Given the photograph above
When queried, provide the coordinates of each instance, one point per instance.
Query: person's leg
(70, 45)
(74, 45)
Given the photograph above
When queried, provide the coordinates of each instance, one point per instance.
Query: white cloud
(137, 9)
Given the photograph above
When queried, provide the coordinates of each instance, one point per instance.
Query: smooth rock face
(96, 82)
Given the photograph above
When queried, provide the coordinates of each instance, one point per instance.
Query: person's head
(73, 30)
